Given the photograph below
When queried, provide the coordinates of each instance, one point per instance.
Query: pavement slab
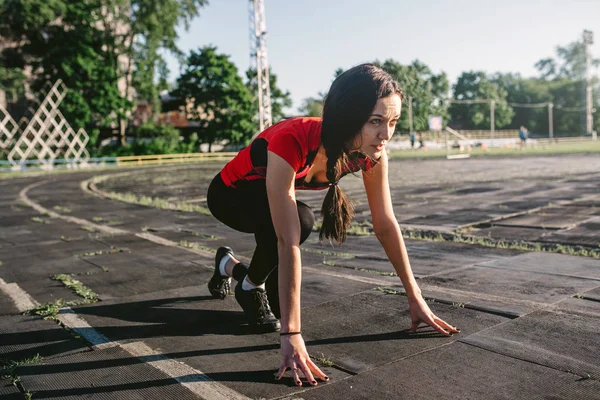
(102, 374)
(8, 391)
(459, 371)
(23, 337)
(587, 233)
(550, 263)
(188, 325)
(369, 329)
(540, 338)
(513, 284)
(7, 305)
(526, 318)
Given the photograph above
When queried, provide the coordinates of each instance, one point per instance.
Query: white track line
(68, 317)
(23, 301)
(194, 380)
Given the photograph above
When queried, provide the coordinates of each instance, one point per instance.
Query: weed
(327, 253)
(458, 237)
(40, 220)
(8, 367)
(199, 234)
(374, 271)
(87, 228)
(197, 246)
(62, 209)
(112, 250)
(330, 263)
(97, 219)
(158, 202)
(390, 291)
(324, 361)
(49, 310)
(77, 287)
(103, 268)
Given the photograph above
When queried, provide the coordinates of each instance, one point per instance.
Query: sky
(309, 39)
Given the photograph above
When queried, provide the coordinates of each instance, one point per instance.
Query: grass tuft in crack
(77, 287)
(323, 360)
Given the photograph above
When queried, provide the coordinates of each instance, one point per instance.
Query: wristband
(290, 333)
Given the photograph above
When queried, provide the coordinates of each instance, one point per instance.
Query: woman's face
(379, 128)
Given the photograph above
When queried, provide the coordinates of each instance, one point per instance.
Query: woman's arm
(389, 235)
(282, 204)
(284, 213)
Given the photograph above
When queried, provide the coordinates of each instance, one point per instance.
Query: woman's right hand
(295, 357)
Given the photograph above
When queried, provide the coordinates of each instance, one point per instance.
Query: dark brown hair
(348, 106)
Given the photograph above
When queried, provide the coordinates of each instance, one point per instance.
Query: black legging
(245, 208)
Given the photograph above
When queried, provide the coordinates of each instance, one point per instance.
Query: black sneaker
(256, 307)
(220, 286)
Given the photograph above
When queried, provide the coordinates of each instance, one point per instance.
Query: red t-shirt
(297, 141)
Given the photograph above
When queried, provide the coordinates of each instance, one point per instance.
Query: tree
(427, 90)
(279, 99)
(312, 106)
(526, 91)
(565, 77)
(476, 85)
(570, 64)
(216, 97)
(104, 50)
(74, 50)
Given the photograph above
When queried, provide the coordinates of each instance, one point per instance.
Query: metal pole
(492, 116)
(588, 39)
(550, 121)
(410, 116)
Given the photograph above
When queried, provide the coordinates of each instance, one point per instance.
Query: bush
(151, 139)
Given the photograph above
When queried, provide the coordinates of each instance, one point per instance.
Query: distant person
(256, 193)
(523, 133)
(421, 143)
(413, 137)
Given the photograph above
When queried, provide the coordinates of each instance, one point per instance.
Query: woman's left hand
(420, 313)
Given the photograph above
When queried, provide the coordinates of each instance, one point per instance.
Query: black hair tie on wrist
(290, 333)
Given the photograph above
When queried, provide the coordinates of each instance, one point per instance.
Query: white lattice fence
(46, 137)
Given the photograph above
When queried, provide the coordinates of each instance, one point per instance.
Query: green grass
(327, 253)
(197, 246)
(40, 220)
(158, 202)
(499, 243)
(113, 250)
(50, 310)
(199, 234)
(323, 360)
(585, 147)
(62, 209)
(79, 288)
(8, 368)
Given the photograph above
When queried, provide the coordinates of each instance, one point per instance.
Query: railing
(173, 158)
(58, 163)
(157, 159)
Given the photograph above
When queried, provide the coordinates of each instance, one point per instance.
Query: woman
(255, 193)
